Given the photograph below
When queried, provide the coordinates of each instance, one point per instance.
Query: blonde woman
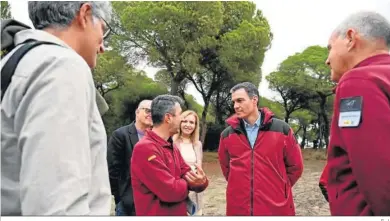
(187, 140)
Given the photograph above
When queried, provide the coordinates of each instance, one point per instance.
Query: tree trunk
(203, 121)
(315, 144)
(218, 115)
(174, 87)
(304, 137)
(324, 120)
(182, 95)
(287, 116)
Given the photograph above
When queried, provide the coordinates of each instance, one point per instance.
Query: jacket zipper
(252, 180)
(261, 127)
(252, 168)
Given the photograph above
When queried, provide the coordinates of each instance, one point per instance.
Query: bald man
(120, 149)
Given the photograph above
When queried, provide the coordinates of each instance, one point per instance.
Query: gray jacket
(53, 141)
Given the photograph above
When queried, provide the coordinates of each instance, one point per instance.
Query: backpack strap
(9, 67)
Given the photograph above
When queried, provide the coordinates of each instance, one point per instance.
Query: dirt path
(307, 195)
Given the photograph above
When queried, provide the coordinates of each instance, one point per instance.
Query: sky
(295, 25)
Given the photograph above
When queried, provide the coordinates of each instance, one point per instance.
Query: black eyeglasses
(107, 29)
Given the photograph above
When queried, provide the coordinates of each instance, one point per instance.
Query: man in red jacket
(160, 177)
(359, 150)
(259, 157)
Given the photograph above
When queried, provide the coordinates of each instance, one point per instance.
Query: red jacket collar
(158, 140)
(266, 117)
(376, 59)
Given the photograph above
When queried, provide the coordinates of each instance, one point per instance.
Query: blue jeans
(120, 210)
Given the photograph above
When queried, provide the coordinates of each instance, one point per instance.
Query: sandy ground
(307, 195)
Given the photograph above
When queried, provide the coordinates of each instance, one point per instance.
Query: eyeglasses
(107, 29)
(147, 110)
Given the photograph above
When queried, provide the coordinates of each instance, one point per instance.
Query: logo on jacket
(151, 157)
(350, 111)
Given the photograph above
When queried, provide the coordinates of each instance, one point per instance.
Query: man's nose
(101, 48)
(327, 62)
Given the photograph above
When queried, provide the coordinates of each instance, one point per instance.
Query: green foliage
(303, 81)
(123, 102)
(301, 78)
(274, 106)
(112, 72)
(171, 34)
(5, 10)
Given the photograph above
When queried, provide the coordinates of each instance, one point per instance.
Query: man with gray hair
(358, 164)
(53, 141)
(259, 157)
(160, 177)
(120, 150)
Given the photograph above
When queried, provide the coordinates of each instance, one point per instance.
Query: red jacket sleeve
(368, 145)
(293, 158)
(323, 184)
(147, 164)
(184, 169)
(224, 158)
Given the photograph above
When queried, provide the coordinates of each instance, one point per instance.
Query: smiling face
(188, 125)
(143, 113)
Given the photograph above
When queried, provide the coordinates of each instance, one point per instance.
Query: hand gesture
(196, 178)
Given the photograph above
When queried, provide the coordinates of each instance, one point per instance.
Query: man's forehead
(145, 104)
(240, 93)
(333, 37)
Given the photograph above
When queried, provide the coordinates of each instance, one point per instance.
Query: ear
(351, 38)
(84, 15)
(167, 118)
(255, 99)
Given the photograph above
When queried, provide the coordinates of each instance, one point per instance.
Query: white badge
(349, 119)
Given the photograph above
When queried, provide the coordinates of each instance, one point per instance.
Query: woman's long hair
(195, 134)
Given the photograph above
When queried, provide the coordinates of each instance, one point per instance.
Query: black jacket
(120, 149)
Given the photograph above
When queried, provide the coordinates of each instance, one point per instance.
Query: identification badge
(350, 111)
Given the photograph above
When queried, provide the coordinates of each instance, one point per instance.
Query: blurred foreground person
(359, 149)
(53, 141)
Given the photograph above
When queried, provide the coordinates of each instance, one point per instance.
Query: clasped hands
(196, 178)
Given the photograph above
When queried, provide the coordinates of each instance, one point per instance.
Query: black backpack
(9, 67)
(9, 28)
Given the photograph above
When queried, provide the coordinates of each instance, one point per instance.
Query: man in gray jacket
(53, 141)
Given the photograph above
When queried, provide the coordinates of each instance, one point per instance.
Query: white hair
(60, 14)
(371, 25)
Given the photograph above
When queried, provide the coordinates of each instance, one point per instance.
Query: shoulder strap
(9, 67)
